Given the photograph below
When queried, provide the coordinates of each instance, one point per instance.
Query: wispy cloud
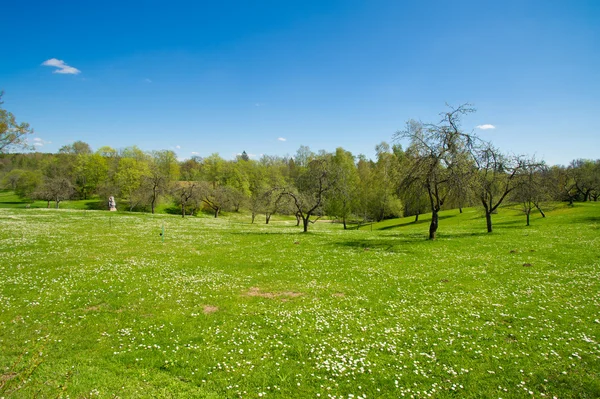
(148, 80)
(486, 127)
(281, 139)
(195, 153)
(178, 147)
(62, 67)
(38, 142)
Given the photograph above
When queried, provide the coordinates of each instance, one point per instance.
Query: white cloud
(486, 127)
(178, 147)
(195, 153)
(38, 142)
(62, 67)
(281, 139)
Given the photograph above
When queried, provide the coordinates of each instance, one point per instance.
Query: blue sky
(200, 77)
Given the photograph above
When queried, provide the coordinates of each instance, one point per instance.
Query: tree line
(442, 167)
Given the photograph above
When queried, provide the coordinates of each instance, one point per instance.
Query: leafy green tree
(12, 134)
(129, 179)
(237, 175)
(77, 148)
(28, 183)
(162, 171)
(364, 193)
(90, 171)
(191, 169)
(385, 180)
(107, 152)
(11, 179)
(343, 200)
(303, 156)
(213, 170)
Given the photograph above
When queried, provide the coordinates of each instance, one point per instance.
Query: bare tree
(436, 149)
(532, 190)
(185, 194)
(55, 189)
(312, 184)
(216, 198)
(496, 177)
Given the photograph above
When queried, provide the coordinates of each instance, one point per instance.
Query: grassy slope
(98, 305)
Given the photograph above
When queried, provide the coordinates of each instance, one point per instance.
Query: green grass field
(98, 304)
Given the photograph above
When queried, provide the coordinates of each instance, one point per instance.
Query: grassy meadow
(101, 305)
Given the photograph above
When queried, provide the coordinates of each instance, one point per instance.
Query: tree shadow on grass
(403, 223)
(96, 206)
(277, 231)
(509, 223)
(403, 244)
(481, 233)
(587, 219)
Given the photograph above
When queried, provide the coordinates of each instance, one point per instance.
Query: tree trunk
(57, 202)
(182, 210)
(460, 209)
(527, 213)
(217, 212)
(305, 223)
(541, 212)
(488, 220)
(253, 216)
(416, 218)
(434, 225)
(344, 221)
(48, 206)
(297, 219)
(152, 204)
(267, 217)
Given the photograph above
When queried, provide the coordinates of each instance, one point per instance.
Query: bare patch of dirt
(526, 264)
(290, 294)
(208, 309)
(339, 295)
(255, 291)
(8, 376)
(94, 308)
